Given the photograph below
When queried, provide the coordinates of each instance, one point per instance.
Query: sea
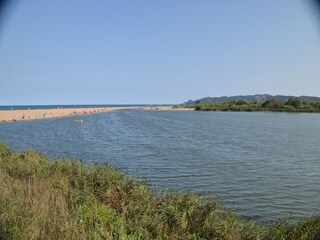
(265, 166)
(25, 107)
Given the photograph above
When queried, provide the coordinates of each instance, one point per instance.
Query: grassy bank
(64, 199)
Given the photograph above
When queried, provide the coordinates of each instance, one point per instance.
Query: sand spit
(167, 108)
(37, 114)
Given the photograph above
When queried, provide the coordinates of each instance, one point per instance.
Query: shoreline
(81, 197)
(40, 114)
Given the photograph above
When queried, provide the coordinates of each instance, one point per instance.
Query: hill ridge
(260, 98)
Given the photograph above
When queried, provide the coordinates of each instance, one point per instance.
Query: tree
(272, 104)
(294, 102)
(241, 102)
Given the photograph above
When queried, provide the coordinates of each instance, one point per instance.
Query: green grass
(64, 199)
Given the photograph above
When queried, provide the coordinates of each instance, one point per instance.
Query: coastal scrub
(272, 105)
(65, 199)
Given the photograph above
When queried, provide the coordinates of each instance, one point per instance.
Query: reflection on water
(265, 164)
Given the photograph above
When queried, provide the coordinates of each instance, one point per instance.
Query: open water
(267, 165)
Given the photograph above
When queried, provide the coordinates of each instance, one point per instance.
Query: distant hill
(260, 98)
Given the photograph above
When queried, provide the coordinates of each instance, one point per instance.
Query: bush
(294, 102)
(272, 104)
(241, 102)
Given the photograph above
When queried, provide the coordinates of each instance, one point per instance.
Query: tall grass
(64, 199)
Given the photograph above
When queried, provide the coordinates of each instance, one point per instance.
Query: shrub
(295, 102)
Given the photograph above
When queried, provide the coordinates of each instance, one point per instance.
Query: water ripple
(264, 164)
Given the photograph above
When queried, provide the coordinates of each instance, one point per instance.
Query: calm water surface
(267, 165)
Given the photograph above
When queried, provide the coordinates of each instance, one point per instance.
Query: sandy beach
(167, 108)
(37, 114)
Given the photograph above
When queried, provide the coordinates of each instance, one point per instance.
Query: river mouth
(265, 165)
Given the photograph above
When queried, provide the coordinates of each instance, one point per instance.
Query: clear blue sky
(168, 51)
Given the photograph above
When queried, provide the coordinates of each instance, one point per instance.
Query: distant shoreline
(51, 113)
(65, 106)
(292, 105)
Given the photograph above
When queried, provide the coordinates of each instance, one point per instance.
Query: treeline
(273, 105)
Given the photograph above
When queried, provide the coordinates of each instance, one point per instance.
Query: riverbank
(274, 105)
(65, 199)
(37, 114)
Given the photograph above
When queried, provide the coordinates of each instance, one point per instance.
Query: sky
(156, 52)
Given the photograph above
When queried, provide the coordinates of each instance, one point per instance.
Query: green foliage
(64, 199)
(294, 102)
(273, 105)
(241, 102)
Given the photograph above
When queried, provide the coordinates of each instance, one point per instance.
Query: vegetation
(272, 105)
(260, 98)
(63, 199)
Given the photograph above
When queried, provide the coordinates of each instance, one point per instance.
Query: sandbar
(38, 114)
(168, 108)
